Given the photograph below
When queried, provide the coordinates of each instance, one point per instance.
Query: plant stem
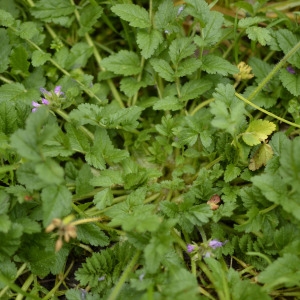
(266, 112)
(274, 71)
(124, 276)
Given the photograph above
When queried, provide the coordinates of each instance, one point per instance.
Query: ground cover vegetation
(149, 149)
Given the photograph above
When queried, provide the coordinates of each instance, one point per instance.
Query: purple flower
(45, 92)
(291, 70)
(214, 244)
(180, 9)
(190, 248)
(57, 91)
(36, 104)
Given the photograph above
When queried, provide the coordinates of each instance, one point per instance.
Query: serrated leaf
(50, 171)
(261, 157)
(287, 40)
(124, 63)
(108, 178)
(4, 49)
(92, 235)
(11, 91)
(10, 241)
(166, 14)
(78, 56)
(53, 11)
(231, 172)
(290, 81)
(88, 17)
(148, 42)
(6, 19)
(163, 68)
(282, 272)
(227, 109)
(262, 35)
(212, 32)
(249, 21)
(78, 140)
(8, 117)
(38, 58)
(213, 64)
(188, 66)
(181, 48)
(9, 270)
(258, 131)
(19, 62)
(199, 9)
(130, 86)
(56, 203)
(194, 88)
(103, 198)
(168, 103)
(137, 16)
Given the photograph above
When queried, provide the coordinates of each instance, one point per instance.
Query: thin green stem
(124, 276)
(266, 112)
(274, 71)
(201, 105)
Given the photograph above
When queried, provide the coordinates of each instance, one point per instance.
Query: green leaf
(32, 31)
(148, 42)
(50, 171)
(9, 270)
(188, 66)
(103, 198)
(19, 62)
(282, 272)
(249, 21)
(91, 234)
(168, 103)
(163, 68)
(103, 151)
(55, 11)
(6, 19)
(181, 48)
(212, 32)
(290, 81)
(261, 157)
(213, 64)
(4, 49)
(78, 140)
(130, 86)
(5, 223)
(39, 58)
(83, 181)
(258, 131)
(8, 117)
(290, 164)
(287, 40)
(137, 16)
(166, 14)
(108, 178)
(56, 201)
(12, 91)
(262, 35)
(89, 15)
(10, 241)
(231, 172)
(227, 109)
(194, 88)
(198, 9)
(124, 63)
(78, 56)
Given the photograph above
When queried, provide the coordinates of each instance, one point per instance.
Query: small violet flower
(190, 248)
(36, 104)
(57, 91)
(291, 70)
(180, 9)
(214, 244)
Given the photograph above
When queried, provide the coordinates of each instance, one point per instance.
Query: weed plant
(149, 150)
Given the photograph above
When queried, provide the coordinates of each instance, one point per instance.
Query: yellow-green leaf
(261, 156)
(258, 131)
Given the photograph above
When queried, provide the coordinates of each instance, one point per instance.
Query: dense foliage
(149, 150)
